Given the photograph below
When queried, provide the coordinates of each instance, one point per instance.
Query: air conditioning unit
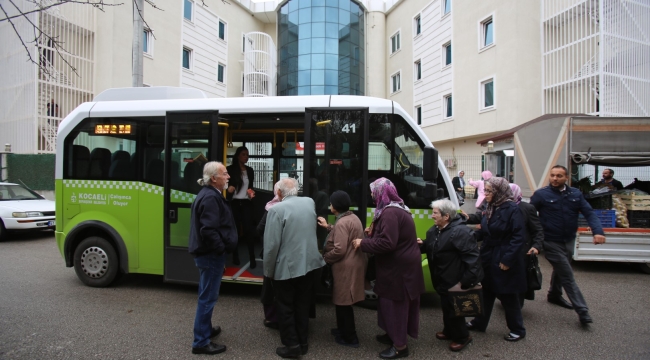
(450, 163)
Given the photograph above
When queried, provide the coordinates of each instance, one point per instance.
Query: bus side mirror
(430, 165)
(430, 191)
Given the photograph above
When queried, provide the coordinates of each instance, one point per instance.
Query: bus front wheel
(95, 262)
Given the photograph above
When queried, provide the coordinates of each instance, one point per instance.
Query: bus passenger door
(336, 158)
(192, 138)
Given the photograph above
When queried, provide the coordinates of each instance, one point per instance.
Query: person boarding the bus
(558, 206)
(290, 257)
(212, 235)
(240, 193)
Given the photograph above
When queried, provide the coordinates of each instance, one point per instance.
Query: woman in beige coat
(348, 266)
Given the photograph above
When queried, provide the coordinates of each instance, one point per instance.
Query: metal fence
(471, 165)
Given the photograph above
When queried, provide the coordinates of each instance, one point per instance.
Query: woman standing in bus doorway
(398, 262)
(503, 234)
(348, 266)
(240, 193)
(480, 185)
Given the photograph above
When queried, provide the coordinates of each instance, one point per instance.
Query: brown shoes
(441, 336)
(454, 346)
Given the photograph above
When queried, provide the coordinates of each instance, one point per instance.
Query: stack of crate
(638, 210)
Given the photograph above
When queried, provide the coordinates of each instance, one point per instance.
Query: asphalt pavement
(47, 313)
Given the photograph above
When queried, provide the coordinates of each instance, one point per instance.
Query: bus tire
(96, 262)
(642, 267)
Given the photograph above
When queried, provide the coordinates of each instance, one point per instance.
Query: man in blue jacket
(558, 206)
(212, 234)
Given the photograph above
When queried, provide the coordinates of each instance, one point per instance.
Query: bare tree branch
(135, 3)
(39, 34)
(96, 4)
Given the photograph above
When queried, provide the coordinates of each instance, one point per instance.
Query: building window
(447, 53)
(418, 70)
(222, 30)
(394, 43)
(418, 25)
(220, 73)
(418, 114)
(447, 108)
(243, 80)
(187, 9)
(147, 42)
(396, 82)
(187, 58)
(447, 5)
(487, 94)
(487, 32)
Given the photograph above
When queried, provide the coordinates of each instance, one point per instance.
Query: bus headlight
(27, 214)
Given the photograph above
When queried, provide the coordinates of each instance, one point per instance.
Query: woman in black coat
(503, 234)
(240, 193)
(453, 258)
(534, 233)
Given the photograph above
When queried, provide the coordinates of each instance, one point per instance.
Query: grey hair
(446, 207)
(288, 187)
(209, 169)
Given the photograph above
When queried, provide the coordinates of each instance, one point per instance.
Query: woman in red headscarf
(393, 240)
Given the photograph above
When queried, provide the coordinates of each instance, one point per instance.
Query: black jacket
(503, 242)
(456, 183)
(453, 256)
(534, 234)
(235, 178)
(212, 226)
(558, 212)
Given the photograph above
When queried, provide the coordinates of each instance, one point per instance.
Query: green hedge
(34, 170)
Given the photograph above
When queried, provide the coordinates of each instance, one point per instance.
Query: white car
(23, 209)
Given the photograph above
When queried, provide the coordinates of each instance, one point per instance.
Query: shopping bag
(533, 273)
(466, 303)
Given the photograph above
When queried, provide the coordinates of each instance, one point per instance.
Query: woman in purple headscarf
(393, 240)
(534, 234)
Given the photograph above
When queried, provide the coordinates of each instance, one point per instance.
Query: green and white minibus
(127, 165)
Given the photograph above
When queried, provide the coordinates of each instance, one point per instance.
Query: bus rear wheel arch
(96, 262)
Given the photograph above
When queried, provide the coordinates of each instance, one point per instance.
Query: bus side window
(102, 150)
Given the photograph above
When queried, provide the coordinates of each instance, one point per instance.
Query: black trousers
(293, 299)
(242, 211)
(511, 306)
(345, 322)
(559, 255)
(454, 327)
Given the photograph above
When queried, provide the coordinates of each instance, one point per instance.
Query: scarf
(516, 193)
(461, 180)
(275, 199)
(501, 194)
(385, 195)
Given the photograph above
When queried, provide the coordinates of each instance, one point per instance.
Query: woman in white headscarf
(459, 184)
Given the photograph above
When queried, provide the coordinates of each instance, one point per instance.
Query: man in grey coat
(290, 258)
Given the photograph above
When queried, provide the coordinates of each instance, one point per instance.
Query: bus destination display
(113, 129)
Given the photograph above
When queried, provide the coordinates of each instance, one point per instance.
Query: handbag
(326, 276)
(533, 273)
(466, 303)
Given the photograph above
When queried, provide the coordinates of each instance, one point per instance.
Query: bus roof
(169, 99)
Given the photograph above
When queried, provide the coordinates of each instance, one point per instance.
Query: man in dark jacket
(212, 234)
(558, 207)
(453, 258)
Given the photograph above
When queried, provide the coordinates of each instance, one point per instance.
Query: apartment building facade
(466, 70)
